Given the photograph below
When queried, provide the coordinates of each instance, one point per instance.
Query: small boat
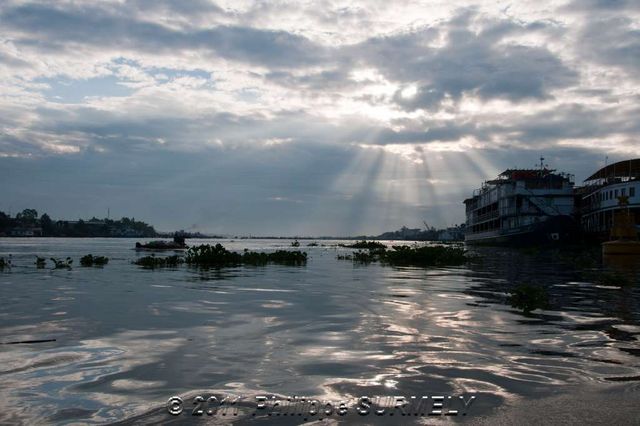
(624, 234)
(177, 244)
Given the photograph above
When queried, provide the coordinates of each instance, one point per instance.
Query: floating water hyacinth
(40, 262)
(364, 244)
(152, 261)
(529, 297)
(207, 255)
(61, 264)
(90, 260)
(5, 263)
(404, 255)
(425, 256)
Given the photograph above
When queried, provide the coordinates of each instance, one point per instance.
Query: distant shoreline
(218, 237)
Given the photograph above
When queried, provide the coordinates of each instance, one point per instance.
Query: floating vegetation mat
(152, 261)
(90, 260)
(528, 297)
(404, 255)
(5, 263)
(217, 256)
(364, 244)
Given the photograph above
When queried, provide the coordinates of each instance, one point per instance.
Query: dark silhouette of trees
(46, 224)
(28, 219)
(27, 216)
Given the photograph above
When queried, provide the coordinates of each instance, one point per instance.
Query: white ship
(522, 206)
(600, 197)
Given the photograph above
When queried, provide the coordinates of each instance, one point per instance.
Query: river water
(116, 342)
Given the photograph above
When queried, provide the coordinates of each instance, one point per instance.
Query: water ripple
(117, 342)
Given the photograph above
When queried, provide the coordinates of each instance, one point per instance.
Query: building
(26, 232)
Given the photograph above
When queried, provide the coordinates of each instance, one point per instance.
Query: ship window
(623, 191)
(632, 191)
(616, 193)
(610, 194)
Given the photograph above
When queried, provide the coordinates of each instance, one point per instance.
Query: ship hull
(554, 230)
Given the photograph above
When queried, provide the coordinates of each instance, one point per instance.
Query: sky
(305, 117)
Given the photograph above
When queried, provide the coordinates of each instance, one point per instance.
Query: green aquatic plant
(313, 244)
(364, 244)
(41, 262)
(404, 255)
(152, 261)
(528, 297)
(284, 257)
(379, 252)
(206, 255)
(365, 256)
(61, 264)
(90, 260)
(424, 256)
(5, 263)
(359, 256)
(296, 243)
(253, 258)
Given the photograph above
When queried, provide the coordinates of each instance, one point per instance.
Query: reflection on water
(126, 338)
(624, 264)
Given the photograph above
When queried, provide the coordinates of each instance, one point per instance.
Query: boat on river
(523, 206)
(599, 200)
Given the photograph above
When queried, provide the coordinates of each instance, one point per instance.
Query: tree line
(28, 223)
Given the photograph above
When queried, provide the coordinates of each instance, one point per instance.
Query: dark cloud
(612, 41)
(469, 63)
(66, 28)
(564, 123)
(603, 5)
(609, 35)
(189, 9)
(324, 80)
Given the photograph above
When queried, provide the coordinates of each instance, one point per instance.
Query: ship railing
(486, 216)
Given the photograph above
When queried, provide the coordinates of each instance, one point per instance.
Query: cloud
(469, 62)
(613, 41)
(603, 5)
(369, 115)
(49, 29)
